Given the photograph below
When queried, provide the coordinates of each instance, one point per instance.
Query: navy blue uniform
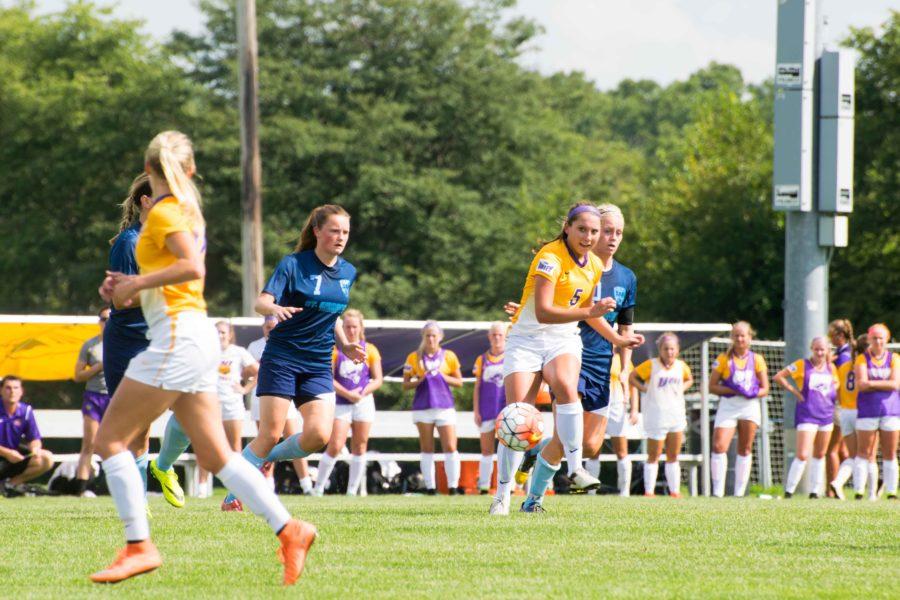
(620, 283)
(125, 334)
(296, 363)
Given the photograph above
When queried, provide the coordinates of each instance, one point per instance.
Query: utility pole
(251, 166)
(812, 175)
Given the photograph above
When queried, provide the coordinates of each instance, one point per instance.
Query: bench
(389, 424)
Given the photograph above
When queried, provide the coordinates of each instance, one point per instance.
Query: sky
(612, 40)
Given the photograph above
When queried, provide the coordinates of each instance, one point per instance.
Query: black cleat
(788, 494)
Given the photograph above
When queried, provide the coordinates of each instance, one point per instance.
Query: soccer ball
(519, 426)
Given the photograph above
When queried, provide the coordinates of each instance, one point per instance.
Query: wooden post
(251, 166)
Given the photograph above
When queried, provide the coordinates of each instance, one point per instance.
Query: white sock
(873, 479)
(742, 466)
(673, 477)
(592, 466)
(816, 475)
(570, 429)
(651, 470)
(357, 470)
(889, 468)
(249, 485)
(860, 474)
(844, 473)
(127, 489)
(485, 470)
(326, 466)
(306, 484)
(718, 467)
(795, 474)
(426, 462)
(623, 468)
(452, 468)
(507, 461)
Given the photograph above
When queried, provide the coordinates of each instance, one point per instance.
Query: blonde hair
(610, 210)
(420, 351)
(502, 326)
(171, 155)
(316, 220)
(131, 206)
(357, 314)
(230, 327)
(750, 330)
(668, 335)
(883, 327)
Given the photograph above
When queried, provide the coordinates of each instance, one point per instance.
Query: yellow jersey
(167, 217)
(797, 371)
(723, 368)
(847, 389)
(574, 285)
(615, 369)
(448, 364)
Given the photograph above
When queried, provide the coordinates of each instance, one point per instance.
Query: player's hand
(510, 308)
(632, 340)
(602, 307)
(633, 417)
(354, 352)
(477, 417)
(283, 313)
(125, 290)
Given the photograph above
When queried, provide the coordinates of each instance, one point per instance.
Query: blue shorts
(292, 382)
(594, 394)
(120, 345)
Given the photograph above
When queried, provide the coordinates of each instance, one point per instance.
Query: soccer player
(177, 370)
(878, 414)
(307, 294)
(663, 380)
(22, 458)
(843, 439)
(125, 336)
(814, 381)
(432, 371)
(488, 399)
(544, 344)
(354, 383)
(292, 423)
(89, 369)
(740, 378)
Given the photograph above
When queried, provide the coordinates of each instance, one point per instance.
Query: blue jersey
(121, 259)
(303, 281)
(620, 283)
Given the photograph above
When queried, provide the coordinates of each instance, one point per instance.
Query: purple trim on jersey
(844, 355)
(747, 384)
(18, 428)
(433, 391)
(881, 403)
(818, 408)
(359, 378)
(94, 405)
(580, 262)
(491, 394)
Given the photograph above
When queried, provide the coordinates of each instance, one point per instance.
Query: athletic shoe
(430, 492)
(859, 496)
(484, 491)
(891, 496)
(838, 491)
(582, 480)
(531, 507)
(813, 496)
(649, 495)
(452, 492)
(233, 506)
(168, 480)
(296, 539)
(499, 507)
(675, 495)
(788, 494)
(133, 559)
(525, 467)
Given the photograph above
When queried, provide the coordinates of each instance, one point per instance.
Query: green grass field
(391, 546)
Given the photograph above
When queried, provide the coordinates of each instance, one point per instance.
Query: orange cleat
(133, 559)
(675, 495)
(649, 495)
(233, 506)
(296, 539)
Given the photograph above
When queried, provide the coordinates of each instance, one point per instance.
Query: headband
(882, 327)
(582, 208)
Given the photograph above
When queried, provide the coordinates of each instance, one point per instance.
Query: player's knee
(315, 437)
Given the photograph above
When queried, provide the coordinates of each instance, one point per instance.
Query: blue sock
(175, 442)
(538, 447)
(251, 458)
(541, 480)
(142, 461)
(288, 449)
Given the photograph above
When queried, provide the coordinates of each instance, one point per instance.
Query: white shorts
(732, 410)
(254, 410)
(660, 433)
(814, 427)
(232, 407)
(876, 423)
(615, 413)
(530, 353)
(183, 355)
(363, 411)
(847, 421)
(487, 426)
(438, 416)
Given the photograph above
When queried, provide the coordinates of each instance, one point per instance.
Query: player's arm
(83, 372)
(410, 380)
(11, 455)
(266, 306)
(548, 313)
(248, 376)
(188, 266)
(454, 379)
(476, 396)
(785, 380)
(715, 384)
(688, 381)
(343, 392)
(864, 385)
(376, 378)
(352, 351)
(763, 382)
(635, 381)
(614, 337)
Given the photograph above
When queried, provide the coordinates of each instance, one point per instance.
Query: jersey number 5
(576, 297)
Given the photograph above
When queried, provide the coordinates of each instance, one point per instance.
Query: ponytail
(844, 328)
(316, 220)
(131, 206)
(171, 155)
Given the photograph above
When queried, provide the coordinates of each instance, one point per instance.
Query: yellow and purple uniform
(846, 377)
(819, 387)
